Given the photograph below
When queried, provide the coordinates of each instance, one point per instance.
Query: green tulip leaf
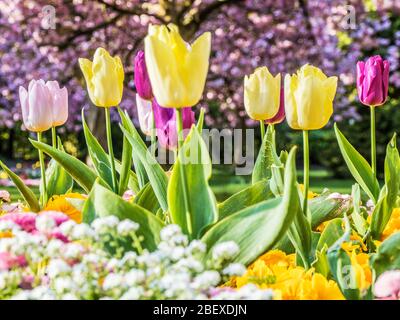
(79, 171)
(258, 228)
(358, 166)
(389, 193)
(299, 234)
(103, 202)
(360, 224)
(260, 191)
(387, 256)
(196, 208)
(157, 177)
(25, 192)
(267, 156)
(325, 207)
(147, 199)
(137, 163)
(100, 159)
(126, 165)
(58, 181)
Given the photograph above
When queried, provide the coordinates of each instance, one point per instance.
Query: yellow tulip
(104, 78)
(309, 98)
(177, 70)
(262, 94)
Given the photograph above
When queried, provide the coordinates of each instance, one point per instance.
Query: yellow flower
(360, 264)
(262, 94)
(309, 98)
(278, 271)
(311, 195)
(61, 204)
(104, 78)
(393, 225)
(177, 70)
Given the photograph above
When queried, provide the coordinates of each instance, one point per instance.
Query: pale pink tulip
(36, 105)
(60, 103)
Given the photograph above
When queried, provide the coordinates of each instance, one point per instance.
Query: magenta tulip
(280, 115)
(166, 124)
(141, 77)
(145, 114)
(373, 81)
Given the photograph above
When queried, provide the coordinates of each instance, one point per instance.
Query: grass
(224, 183)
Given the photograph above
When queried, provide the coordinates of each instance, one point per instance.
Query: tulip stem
(153, 136)
(54, 136)
(306, 179)
(42, 172)
(262, 129)
(110, 149)
(179, 128)
(373, 141)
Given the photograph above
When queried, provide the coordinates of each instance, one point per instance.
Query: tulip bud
(373, 81)
(36, 105)
(60, 103)
(141, 77)
(104, 78)
(165, 121)
(177, 70)
(309, 98)
(145, 115)
(262, 94)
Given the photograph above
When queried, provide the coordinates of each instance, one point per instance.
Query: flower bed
(148, 233)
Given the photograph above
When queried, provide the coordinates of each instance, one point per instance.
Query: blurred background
(43, 39)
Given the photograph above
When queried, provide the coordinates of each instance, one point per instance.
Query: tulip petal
(290, 86)
(23, 98)
(40, 114)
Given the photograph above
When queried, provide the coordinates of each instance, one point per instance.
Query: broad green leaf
(58, 181)
(266, 158)
(79, 171)
(258, 228)
(103, 202)
(387, 256)
(137, 163)
(389, 193)
(358, 166)
(100, 159)
(26, 192)
(157, 177)
(359, 222)
(326, 207)
(199, 209)
(253, 194)
(147, 199)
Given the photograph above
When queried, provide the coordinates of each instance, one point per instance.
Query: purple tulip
(141, 77)
(280, 115)
(373, 81)
(165, 121)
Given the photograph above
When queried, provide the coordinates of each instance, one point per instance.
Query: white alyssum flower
(125, 227)
(92, 263)
(225, 251)
(234, 269)
(44, 223)
(58, 267)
